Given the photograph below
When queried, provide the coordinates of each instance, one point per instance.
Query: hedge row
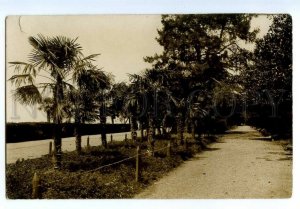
(19, 132)
(279, 122)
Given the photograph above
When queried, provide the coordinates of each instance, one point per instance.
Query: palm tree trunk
(48, 116)
(150, 136)
(133, 128)
(57, 144)
(77, 135)
(164, 124)
(112, 120)
(103, 132)
(58, 97)
(103, 125)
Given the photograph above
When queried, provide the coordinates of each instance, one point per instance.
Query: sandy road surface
(238, 166)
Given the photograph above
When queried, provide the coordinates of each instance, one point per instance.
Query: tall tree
(103, 93)
(117, 95)
(268, 80)
(272, 60)
(53, 61)
(135, 102)
(197, 51)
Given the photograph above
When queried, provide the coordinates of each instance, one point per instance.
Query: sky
(122, 41)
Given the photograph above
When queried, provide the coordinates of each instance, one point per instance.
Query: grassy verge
(79, 179)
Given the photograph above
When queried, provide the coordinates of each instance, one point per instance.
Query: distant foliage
(268, 80)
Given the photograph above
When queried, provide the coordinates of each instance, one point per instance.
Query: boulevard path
(237, 166)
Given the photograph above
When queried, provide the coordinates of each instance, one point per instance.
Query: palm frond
(21, 79)
(90, 57)
(27, 68)
(45, 87)
(59, 52)
(28, 95)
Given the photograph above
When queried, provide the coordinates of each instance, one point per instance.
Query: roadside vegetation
(80, 176)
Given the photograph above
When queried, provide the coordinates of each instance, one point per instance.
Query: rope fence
(36, 179)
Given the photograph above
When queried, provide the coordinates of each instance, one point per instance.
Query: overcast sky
(122, 41)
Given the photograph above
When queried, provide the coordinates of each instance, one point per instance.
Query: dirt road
(238, 166)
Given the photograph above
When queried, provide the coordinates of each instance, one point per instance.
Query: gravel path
(238, 166)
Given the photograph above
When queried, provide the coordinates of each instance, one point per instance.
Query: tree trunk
(103, 125)
(164, 127)
(142, 132)
(180, 128)
(78, 136)
(150, 136)
(133, 128)
(159, 131)
(193, 130)
(57, 144)
(103, 136)
(58, 98)
(112, 120)
(48, 116)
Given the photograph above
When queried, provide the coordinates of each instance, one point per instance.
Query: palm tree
(135, 102)
(51, 63)
(103, 84)
(117, 95)
(144, 103)
(83, 98)
(47, 107)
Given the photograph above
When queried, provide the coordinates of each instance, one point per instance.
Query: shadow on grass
(285, 158)
(211, 149)
(261, 139)
(235, 132)
(199, 157)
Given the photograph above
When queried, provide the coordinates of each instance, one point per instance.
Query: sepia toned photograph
(172, 106)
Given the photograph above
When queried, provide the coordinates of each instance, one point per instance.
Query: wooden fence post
(169, 149)
(50, 148)
(126, 140)
(137, 164)
(36, 186)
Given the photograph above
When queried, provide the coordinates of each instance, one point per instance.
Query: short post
(36, 186)
(111, 138)
(88, 142)
(126, 140)
(50, 148)
(169, 149)
(137, 164)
